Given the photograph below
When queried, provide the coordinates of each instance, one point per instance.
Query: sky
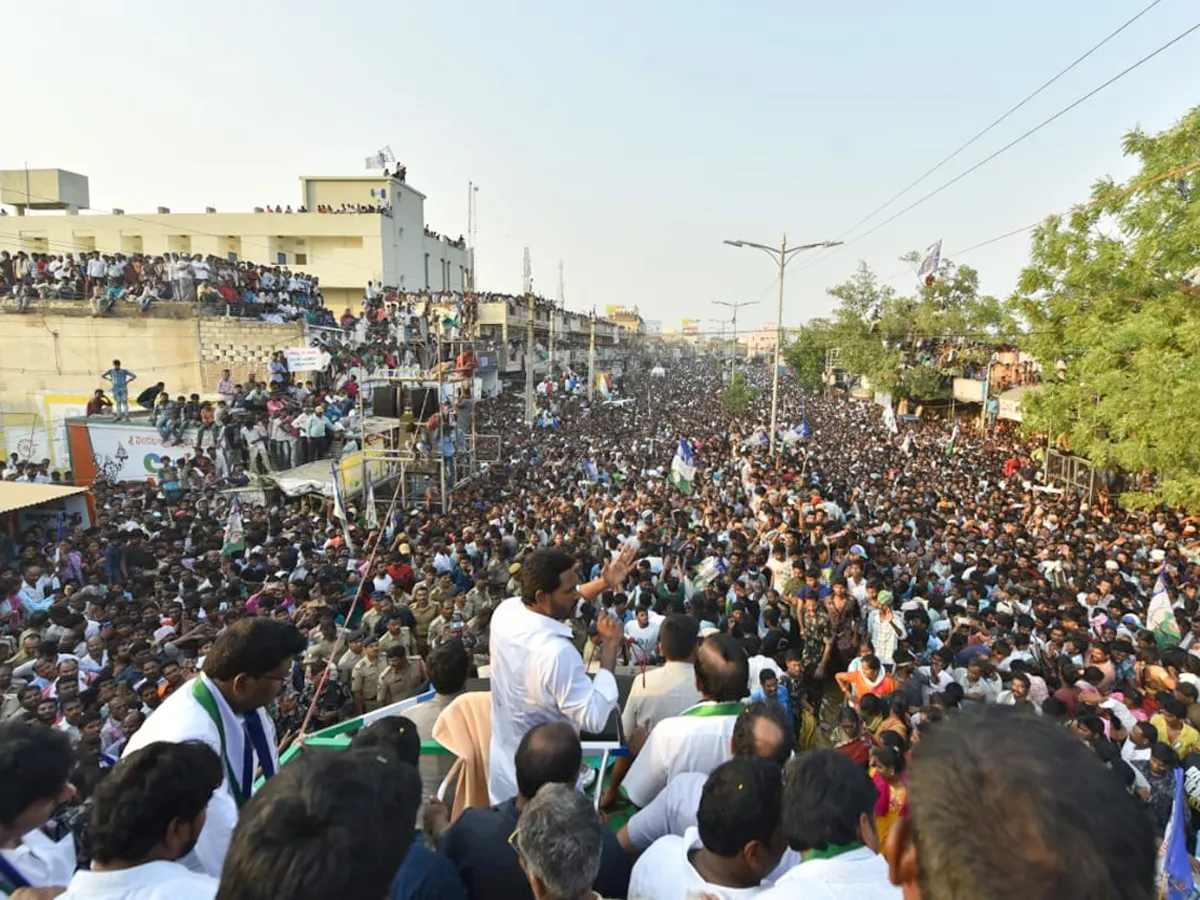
(625, 139)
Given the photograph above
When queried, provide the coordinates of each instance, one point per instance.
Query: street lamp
(735, 306)
(782, 255)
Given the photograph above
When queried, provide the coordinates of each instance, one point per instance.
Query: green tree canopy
(1104, 295)
(894, 339)
(738, 395)
(805, 352)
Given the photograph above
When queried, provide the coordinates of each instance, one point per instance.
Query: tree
(738, 395)
(805, 352)
(884, 335)
(1104, 294)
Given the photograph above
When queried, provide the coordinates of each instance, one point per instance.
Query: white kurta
(182, 718)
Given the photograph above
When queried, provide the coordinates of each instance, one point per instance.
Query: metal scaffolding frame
(414, 470)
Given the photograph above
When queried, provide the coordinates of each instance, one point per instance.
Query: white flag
(927, 273)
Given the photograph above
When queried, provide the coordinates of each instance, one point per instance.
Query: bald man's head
(722, 669)
(549, 754)
(762, 730)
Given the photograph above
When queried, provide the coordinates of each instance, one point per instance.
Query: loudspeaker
(424, 403)
(383, 402)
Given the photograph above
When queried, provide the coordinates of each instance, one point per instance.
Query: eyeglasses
(513, 841)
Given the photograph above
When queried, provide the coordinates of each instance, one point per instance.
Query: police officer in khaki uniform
(403, 677)
(364, 677)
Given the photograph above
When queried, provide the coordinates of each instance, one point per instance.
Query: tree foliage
(1103, 293)
(737, 396)
(895, 339)
(805, 352)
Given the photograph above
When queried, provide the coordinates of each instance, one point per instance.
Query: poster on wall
(124, 451)
(306, 359)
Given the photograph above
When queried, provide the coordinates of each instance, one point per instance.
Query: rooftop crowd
(875, 665)
(106, 279)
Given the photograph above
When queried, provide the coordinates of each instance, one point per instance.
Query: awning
(19, 495)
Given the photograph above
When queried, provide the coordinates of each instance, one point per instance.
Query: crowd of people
(106, 279)
(877, 664)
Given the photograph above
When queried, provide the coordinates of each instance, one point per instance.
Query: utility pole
(529, 358)
(782, 255)
(735, 306)
(591, 391)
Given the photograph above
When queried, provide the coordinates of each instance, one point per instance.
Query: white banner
(131, 452)
(306, 359)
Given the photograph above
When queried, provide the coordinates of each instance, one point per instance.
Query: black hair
(448, 665)
(678, 636)
(722, 669)
(825, 795)
(35, 763)
(741, 803)
(395, 734)
(146, 791)
(549, 753)
(1079, 833)
(329, 824)
(254, 646)
(542, 570)
(871, 705)
(746, 744)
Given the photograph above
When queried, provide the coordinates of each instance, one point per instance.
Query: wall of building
(53, 359)
(242, 346)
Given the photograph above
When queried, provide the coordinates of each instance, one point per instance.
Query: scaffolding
(451, 460)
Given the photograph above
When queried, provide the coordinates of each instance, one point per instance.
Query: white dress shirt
(674, 811)
(42, 861)
(537, 675)
(659, 694)
(860, 874)
(664, 872)
(683, 743)
(182, 718)
(160, 880)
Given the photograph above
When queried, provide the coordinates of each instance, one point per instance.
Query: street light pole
(735, 306)
(782, 255)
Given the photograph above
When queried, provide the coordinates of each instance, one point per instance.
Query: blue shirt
(425, 875)
(781, 697)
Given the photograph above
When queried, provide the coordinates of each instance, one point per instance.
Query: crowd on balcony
(105, 280)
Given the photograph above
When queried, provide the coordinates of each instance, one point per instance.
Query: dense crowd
(878, 662)
(106, 279)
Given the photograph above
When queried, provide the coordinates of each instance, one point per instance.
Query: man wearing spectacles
(247, 668)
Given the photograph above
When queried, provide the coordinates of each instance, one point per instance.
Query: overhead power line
(979, 134)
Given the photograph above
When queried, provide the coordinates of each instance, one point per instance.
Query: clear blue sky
(626, 138)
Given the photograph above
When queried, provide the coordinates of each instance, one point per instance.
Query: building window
(426, 271)
(445, 275)
(302, 259)
(281, 259)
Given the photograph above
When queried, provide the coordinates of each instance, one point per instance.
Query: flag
(907, 445)
(1175, 880)
(953, 440)
(711, 569)
(590, 470)
(889, 419)
(683, 467)
(371, 513)
(381, 159)
(1160, 615)
(927, 272)
(235, 534)
(339, 505)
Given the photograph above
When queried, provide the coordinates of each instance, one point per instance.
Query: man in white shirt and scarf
(246, 669)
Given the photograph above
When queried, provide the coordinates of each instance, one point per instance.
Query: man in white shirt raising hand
(538, 675)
